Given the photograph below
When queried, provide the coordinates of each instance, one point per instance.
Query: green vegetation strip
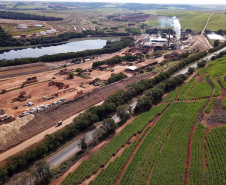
(217, 87)
(197, 156)
(215, 156)
(176, 122)
(100, 158)
(172, 95)
(224, 103)
(185, 90)
(110, 174)
(200, 90)
(222, 81)
(210, 105)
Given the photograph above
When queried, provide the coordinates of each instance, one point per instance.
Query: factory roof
(132, 68)
(157, 39)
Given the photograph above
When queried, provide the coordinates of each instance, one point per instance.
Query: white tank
(49, 31)
(42, 33)
(53, 30)
(22, 26)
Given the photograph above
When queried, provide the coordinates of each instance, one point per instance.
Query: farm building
(22, 26)
(131, 69)
(146, 64)
(53, 30)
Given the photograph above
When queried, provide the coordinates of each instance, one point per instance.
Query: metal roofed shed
(103, 67)
(147, 63)
(130, 69)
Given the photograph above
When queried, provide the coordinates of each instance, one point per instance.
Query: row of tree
(23, 16)
(116, 78)
(109, 48)
(22, 160)
(220, 46)
(115, 60)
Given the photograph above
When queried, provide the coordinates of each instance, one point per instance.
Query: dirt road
(37, 138)
(201, 42)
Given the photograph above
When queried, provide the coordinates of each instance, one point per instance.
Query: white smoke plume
(177, 28)
(175, 23)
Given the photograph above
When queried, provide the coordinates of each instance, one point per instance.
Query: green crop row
(171, 163)
(196, 176)
(101, 157)
(200, 90)
(185, 90)
(172, 95)
(224, 103)
(215, 156)
(150, 152)
(210, 105)
(109, 175)
(217, 87)
(222, 81)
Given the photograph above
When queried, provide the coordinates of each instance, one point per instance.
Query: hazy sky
(144, 1)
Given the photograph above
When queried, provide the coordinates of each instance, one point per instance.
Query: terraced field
(169, 144)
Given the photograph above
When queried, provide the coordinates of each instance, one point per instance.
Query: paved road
(74, 148)
(68, 151)
(185, 70)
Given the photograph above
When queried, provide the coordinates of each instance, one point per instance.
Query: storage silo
(49, 31)
(42, 33)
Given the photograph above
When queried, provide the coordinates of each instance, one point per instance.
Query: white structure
(38, 25)
(49, 31)
(42, 33)
(53, 30)
(158, 39)
(22, 26)
(214, 36)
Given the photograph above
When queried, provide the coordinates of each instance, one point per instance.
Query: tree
(213, 58)
(3, 175)
(157, 54)
(143, 103)
(70, 75)
(124, 112)
(109, 124)
(42, 173)
(191, 70)
(3, 91)
(83, 144)
(79, 70)
(216, 43)
(201, 64)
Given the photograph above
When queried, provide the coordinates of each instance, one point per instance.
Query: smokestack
(169, 40)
